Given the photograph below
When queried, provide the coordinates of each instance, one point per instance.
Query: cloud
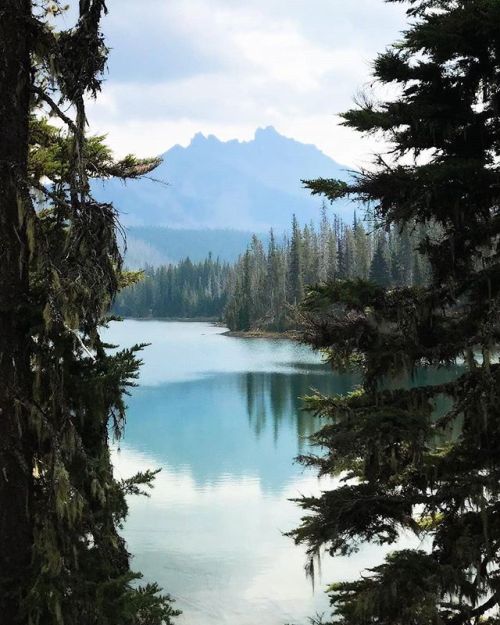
(227, 535)
(226, 67)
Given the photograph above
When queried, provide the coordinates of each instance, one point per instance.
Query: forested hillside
(269, 284)
(262, 289)
(185, 290)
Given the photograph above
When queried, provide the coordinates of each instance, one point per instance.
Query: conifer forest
(309, 433)
(262, 289)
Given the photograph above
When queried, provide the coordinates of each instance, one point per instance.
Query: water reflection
(274, 399)
(219, 549)
(245, 424)
(222, 417)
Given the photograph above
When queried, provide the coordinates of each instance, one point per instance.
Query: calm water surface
(222, 417)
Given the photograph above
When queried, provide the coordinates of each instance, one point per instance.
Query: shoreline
(289, 335)
(261, 334)
(213, 320)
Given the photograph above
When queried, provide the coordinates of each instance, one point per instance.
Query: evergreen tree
(296, 277)
(324, 269)
(257, 297)
(401, 257)
(210, 289)
(406, 466)
(362, 251)
(341, 260)
(405, 256)
(350, 249)
(331, 254)
(16, 484)
(61, 393)
(417, 273)
(276, 284)
(380, 271)
(245, 308)
(271, 300)
(186, 290)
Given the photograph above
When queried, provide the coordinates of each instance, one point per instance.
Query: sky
(227, 67)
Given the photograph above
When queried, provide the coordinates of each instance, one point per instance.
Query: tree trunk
(16, 473)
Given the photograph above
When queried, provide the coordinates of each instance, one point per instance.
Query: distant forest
(182, 290)
(262, 289)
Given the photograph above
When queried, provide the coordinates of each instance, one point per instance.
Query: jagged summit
(262, 134)
(244, 185)
(199, 138)
(268, 131)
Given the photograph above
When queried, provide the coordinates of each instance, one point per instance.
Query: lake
(222, 418)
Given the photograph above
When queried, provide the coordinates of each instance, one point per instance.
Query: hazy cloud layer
(226, 67)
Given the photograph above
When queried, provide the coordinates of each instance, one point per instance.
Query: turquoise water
(222, 418)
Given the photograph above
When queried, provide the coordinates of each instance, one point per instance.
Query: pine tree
(296, 285)
(405, 257)
(324, 247)
(245, 309)
(257, 296)
(16, 484)
(210, 289)
(341, 260)
(273, 276)
(349, 249)
(406, 466)
(331, 254)
(380, 271)
(308, 254)
(186, 290)
(276, 284)
(362, 251)
(61, 393)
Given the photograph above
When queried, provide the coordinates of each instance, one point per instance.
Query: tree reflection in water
(275, 399)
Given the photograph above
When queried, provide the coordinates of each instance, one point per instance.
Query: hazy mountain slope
(248, 186)
(148, 245)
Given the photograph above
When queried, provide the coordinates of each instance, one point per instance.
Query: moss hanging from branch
(405, 464)
(74, 404)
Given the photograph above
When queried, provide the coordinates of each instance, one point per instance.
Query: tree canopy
(260, 291)
(61, 391)
(420, 459)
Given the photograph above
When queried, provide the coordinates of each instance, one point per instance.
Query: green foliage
(405, 589)
(380, 271)
(73, 405)
(264, 289)
(185, 290)
(419, 459)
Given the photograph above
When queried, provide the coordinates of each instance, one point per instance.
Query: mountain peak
(245, 185)
(267, 132)
(200, 139)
